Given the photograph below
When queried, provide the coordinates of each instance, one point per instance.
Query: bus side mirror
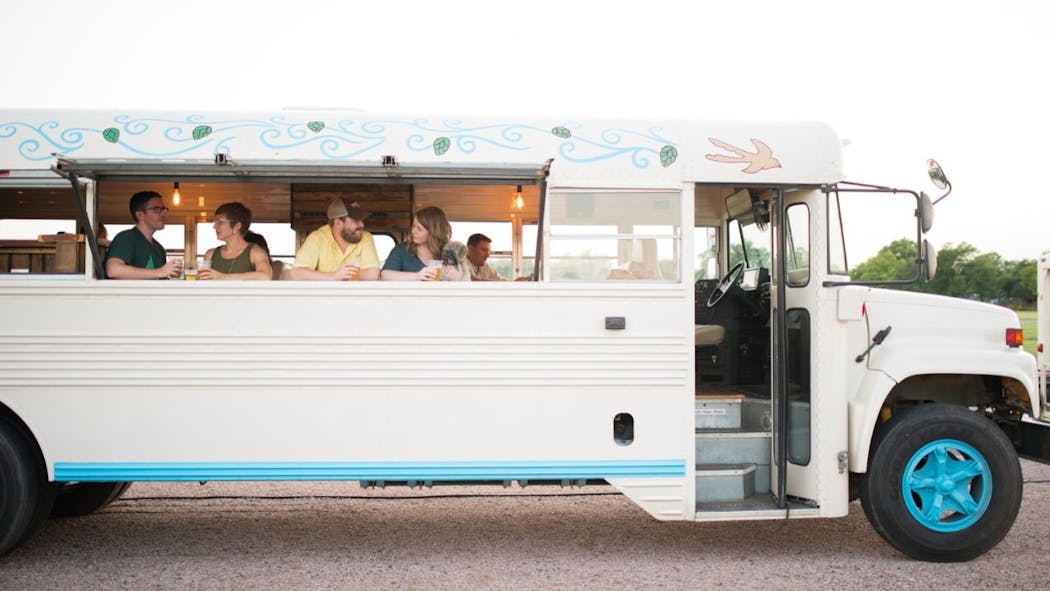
(925, 212)
(938, 178)
(929, 259)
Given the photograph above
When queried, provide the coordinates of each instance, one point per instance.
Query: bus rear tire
(943, 484)
(25, 494)
(84, 498)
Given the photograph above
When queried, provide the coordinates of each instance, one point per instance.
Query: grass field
(1029, 325)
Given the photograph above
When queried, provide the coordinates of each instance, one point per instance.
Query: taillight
(1014, 337)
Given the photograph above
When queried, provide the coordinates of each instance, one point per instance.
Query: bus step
(718, 412)
(724, 482)
(737, 446)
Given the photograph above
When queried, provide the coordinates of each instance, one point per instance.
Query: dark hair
(235, 211)
(256, 238)
(139, 200)
(476, 239)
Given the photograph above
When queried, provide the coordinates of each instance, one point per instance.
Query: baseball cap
(337, 208)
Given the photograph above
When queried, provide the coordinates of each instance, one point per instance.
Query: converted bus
(690, 336)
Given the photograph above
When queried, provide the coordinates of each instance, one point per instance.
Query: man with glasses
(341, 250)
(134, 253)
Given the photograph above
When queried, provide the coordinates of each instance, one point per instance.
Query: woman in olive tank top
(237, 259)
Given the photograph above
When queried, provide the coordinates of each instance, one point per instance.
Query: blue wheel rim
(947, 485)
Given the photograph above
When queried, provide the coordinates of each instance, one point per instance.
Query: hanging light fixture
(518, 202)
(176, 198)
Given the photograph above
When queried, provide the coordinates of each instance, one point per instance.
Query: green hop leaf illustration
(668, 155)
(441, 145)
(562, 132)
(112, 134)
(316, 126)
(201, 131)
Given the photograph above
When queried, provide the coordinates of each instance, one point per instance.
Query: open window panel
(286, 212)
(40, 234)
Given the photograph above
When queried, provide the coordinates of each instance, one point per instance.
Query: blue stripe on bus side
(394, 471)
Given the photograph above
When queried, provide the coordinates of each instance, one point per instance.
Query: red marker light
(1014, 337)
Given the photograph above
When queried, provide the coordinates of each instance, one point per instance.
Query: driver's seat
(709, 334)
(713, 335)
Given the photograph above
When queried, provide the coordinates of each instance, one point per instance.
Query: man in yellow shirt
(339, 251)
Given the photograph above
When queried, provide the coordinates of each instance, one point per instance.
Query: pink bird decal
(761, 159)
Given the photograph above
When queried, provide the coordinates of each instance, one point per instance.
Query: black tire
(83, 498)
(962, 478)
(25, 494)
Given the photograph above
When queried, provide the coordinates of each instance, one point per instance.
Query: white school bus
(691, 335)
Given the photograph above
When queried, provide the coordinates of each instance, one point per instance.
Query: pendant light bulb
(176, 198)
(519, 202)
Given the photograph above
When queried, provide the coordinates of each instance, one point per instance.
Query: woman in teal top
(409, 261)
(237, 259)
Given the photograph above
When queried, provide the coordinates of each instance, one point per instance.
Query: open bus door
(808, 419)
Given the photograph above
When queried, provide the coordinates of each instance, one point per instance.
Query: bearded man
(339, 251)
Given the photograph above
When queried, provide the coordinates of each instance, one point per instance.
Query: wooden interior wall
(391, 206)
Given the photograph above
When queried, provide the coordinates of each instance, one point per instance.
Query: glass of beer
(178, 263)
(355, 268)
(436, 265)
(191, 274)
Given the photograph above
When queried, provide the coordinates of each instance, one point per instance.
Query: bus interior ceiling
(709, 204)
(39, 203)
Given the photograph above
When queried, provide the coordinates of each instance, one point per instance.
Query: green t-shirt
(132, 247)
(402, 259)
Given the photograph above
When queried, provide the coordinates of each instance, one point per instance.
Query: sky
(903, 81)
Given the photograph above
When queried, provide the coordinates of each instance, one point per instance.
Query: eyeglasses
(218, 221)
(157, 209)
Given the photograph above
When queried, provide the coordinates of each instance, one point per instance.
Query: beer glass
(436, 265)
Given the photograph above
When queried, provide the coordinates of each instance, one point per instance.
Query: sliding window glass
(615, 235)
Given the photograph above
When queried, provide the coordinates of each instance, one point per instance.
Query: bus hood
(932, 334)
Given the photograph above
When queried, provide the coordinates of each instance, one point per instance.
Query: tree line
(962, 271)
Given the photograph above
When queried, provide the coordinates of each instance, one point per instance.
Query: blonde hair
(439, 231)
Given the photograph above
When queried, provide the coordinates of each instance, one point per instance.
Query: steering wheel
(725, 285)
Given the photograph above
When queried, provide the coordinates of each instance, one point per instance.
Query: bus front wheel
(943, 484)
(25, 494)
(83, 498)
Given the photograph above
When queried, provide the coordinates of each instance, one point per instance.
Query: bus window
(705, 262)
(40, 246)
(755, 246)
(613, 235)
(528, 249)
(502, 236)
(384, 244)
(30, 229)
(798, 245)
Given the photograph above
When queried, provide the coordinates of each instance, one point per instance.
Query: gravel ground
(339, 536)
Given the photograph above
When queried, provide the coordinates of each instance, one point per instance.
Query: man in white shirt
(479, 247)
